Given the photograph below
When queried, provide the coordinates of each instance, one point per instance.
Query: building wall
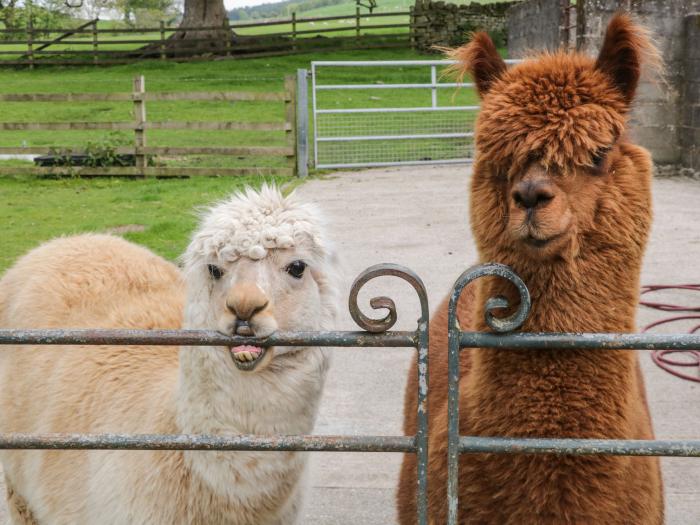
(534, 24)
(690, 108)
(665, 116)
(657, 121)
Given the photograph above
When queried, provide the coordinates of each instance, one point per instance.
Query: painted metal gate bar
(504, 337)
(376, 334)
(352, 137)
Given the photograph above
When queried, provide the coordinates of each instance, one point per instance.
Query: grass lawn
(348, 9)
(346, 27)
(260, 75)
(33, 210)
(82, 42)
(159, 214)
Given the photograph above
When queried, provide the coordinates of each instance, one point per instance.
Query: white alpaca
(258, 262)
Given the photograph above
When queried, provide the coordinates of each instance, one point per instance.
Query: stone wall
(690, 95)
(445, 24)
(538, 24)
(665, 118)
(658, 121)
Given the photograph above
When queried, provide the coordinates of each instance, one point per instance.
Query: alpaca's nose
(530, 194)
(246, 299)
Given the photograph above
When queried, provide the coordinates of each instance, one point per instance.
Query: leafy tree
(10, 13)
(17, 14)
(143, 13)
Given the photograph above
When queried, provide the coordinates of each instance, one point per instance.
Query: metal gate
(377, 334)
(390, 112)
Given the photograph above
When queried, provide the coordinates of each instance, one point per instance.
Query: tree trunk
(214, 37)
(206, 13)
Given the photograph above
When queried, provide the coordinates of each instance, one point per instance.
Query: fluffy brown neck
(593, 292)
(562, 393)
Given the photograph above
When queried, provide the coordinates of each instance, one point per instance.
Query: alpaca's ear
(625, 46)
(481, 60)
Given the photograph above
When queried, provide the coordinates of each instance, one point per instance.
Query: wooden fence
(90, 44)
(140, 125)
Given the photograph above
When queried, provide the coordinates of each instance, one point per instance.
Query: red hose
(691, 358)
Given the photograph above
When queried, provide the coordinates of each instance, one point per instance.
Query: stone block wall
(444, 24)
(657, 120)
(666, 115)
(690, 108)
(538, 25)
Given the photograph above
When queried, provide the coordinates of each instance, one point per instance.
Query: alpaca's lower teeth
(246, 354)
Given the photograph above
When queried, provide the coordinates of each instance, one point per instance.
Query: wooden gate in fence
(145, 155)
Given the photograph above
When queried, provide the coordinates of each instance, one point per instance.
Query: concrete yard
(418, 217)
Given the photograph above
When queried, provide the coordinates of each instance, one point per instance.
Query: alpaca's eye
(296, 269)
(215, 271)
(599, 157)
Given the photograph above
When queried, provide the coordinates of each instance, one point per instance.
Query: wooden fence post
(162, 40)
(140, 124)
(30, 43)
(229, 39)
(94, 41)
(411, 29)
(294, 30)
(290, 88)
(357, 23)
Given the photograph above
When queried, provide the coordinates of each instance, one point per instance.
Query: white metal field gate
(393, 130)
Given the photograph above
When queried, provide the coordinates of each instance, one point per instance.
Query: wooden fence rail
(36, 46)
(227, 96)
(140, 125)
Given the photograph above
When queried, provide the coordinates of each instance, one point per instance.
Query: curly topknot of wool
(251, 223)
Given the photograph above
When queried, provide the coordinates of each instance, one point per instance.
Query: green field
(119, 42)
(348, 9)
(383, 6)
(259, 75)
(159, 214)
(345, 27)
(82, 42)
(340, 10)
(33, 210)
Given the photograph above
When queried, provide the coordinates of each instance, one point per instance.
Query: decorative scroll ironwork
(500, 325)
(505, 338)
(421, 343)
(376, 334)
(379, 303)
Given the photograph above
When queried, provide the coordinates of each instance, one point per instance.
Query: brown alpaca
(561, 195)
